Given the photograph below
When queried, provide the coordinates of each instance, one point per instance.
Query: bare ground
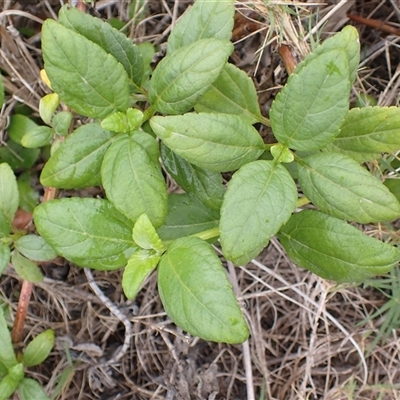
(306, 341)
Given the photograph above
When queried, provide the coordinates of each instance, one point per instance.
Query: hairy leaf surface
(332, 249)
(88, 232)
(77, 162)
(133, 181)
(85, 76)
(260, 198)
(205, 19)
(217, 142)
(179, 80)
(196, 293)
(339, 186)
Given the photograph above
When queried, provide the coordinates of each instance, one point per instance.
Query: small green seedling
(196, 113)
(12, 368)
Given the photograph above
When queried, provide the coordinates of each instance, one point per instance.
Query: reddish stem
(375, 23)
(17, 334)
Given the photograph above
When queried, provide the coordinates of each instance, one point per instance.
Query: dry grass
(305, 342)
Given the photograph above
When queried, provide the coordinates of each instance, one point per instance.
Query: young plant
(12, 374)
(197, 112)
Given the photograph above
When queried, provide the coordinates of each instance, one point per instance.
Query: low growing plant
(196, 113)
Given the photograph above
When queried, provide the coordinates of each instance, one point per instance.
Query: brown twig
(375, 23)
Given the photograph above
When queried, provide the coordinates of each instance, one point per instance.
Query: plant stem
(208, 234)
(22, 310)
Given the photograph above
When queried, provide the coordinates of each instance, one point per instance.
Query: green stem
(302, 201)
(208, 234)
(264, 121)
(148, 113)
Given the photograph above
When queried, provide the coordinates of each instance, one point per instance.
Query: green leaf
(17, 156)
(196, 293)
(367, 132)
(29, 389)
(25, 268)
(206, 185)
(186, 216)
(233, 92)
(61, 122)
(5, 226)
(35, 248)
(179, 80)
(4, 258)
(123, 122)
(9, 196)
(7, 355)
(347, 40)
(77, 162)
(88, 232)
(205, 19)
(308, 112)
(332, 249)
(260, 198)
(47, 106)
(218, 142)
(339, 186)
(17, 371)
(139, 267)
(8, 385)
(19, 125)
(110, 39)
(133, 182)
(145, 235)
(38, 137)
(94, 85)
(281, 153)
(147, 141)
(39, 348)
(28, 197)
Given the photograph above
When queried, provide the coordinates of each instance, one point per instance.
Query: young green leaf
(196, 293)
(47, 106)
(4, 258)
(7, 355)
(260, 198)
(139, 267)
(308, 112)
(61, 122)
(186, 216)
(9, 197)
(111, 40)
(332, 249)
(217, 142)
(77, 162)
(145, 235)
(133, 182)
(8, 385)
(85, 76)
(39, 348)
(25, 268)
(206, 185)
(19, 125)
(179, 80)
(16, 371)
(281, 153)
(367, 132)
(233, 92)
(29, 389)
(38, 137)
(205, 19)
(35, 248)
(123, 122)
(88, 232)
(339, 186)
